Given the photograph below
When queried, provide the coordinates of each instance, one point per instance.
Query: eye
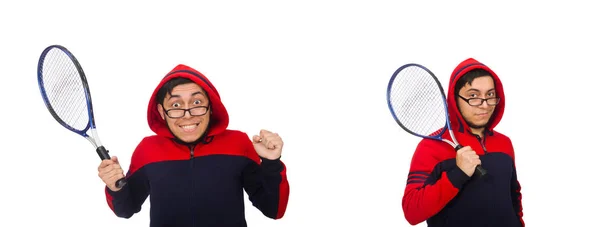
(197, 102)
(472, 95)
(176, 105)
(492, 94)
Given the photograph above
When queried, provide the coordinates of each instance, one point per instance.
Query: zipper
(192, 207)
(192, 152)
(482, 143)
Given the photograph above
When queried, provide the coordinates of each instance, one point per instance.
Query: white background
(313, 71)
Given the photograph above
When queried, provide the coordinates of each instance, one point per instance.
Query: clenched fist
(267, 144)
(467, 160)
(110, 172)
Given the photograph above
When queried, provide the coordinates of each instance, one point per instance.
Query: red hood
(456, 120)
(219, 119)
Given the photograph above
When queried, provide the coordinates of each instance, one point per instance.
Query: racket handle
(103, 153)
(480, 171)
(120, 183)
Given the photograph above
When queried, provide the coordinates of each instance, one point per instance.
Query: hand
(110, 171)
(267, 144)
(467, 160)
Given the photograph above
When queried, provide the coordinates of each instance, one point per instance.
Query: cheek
(205, 119)
(463, 108)
(468, 113)
(171, 122)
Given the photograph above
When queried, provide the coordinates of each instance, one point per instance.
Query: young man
(195, 169)
(442, 188)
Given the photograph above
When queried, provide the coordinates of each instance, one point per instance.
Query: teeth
(189, 127)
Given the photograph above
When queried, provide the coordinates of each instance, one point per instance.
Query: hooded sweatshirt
(439, 192)
(201, 184)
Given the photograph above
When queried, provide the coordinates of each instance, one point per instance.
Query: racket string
(417, 101)
(64, 89)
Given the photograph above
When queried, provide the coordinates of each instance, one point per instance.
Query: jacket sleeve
(428, 189)
(265, 182)
(516, 196)
(128, 201)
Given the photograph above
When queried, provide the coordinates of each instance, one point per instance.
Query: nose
(187, 113)
(485, 104)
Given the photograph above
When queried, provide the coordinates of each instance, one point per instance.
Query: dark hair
(168, 88)
(468, 78)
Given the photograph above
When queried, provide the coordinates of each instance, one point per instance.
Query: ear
(160, 111)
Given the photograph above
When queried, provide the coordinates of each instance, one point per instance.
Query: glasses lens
(475, 101)
(198, 111)
(176, 113)
(492, 101)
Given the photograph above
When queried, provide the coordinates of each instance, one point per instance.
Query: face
(477, 116)
(187, 128)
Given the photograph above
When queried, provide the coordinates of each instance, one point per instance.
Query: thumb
(114, 159)
(256, 139)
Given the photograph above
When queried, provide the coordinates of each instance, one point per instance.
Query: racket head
(64, 89)
(417, 102)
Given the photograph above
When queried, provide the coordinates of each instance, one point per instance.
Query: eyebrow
(473, 89)
(198, 93)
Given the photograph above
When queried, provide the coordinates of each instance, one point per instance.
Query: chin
(190, 139)
(480, 124)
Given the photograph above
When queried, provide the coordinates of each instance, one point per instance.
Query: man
(195, 169)
(441, 187)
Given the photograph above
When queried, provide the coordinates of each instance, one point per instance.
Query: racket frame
(94, 139)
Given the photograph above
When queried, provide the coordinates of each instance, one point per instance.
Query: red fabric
(421, 201)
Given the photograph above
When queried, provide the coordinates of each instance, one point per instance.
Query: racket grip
(480, 171)
(120, 183)
(102, 152)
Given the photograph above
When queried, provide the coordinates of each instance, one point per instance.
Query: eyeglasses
(194, 111)
(479, 101)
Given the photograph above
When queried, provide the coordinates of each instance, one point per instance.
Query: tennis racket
(418, 104)
(66, 93)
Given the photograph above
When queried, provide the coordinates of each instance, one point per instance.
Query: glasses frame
(186, 110)
(481, 100)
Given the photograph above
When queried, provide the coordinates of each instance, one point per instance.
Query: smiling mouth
(189, 127)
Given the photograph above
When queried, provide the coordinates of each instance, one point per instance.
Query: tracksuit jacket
(438, 192)
(202, 184)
